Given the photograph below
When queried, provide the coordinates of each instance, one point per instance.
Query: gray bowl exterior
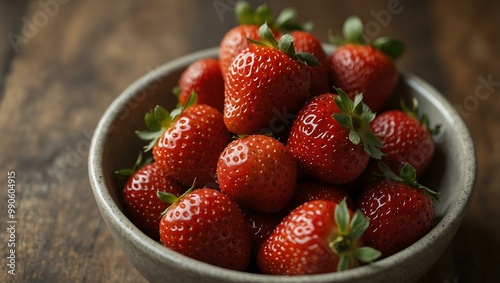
(115, 146)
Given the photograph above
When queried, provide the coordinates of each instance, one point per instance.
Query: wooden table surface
(62, 62)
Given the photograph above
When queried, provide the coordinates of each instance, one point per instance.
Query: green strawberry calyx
(354, 32)
(422, 118)
(349, 231)
(356, 116)
(159, 120)
(285, 44)
(408, 176)
(285, 22)
(139, 163)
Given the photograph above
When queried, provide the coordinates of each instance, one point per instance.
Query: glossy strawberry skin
(399, 215)
(362, 68)
(264, 88)
(307, 42)
(300, 243)
(205, 78)
(405, 140)
(142, 205)
(206, 225)
(190, 148)
(235, 41)
(257, 172)
(321, 145)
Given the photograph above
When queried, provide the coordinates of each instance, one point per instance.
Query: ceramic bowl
(116, 146)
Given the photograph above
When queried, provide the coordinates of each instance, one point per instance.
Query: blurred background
(62, 62)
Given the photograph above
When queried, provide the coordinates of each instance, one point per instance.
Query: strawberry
(257, 172)
(307, 42)
(266, 82)
(140, 201)
(187, 142)
(317, 237)
(406, 138)
(205, 78)
(206, 225)
(401, 211)
(235, 40)
(331, 138)
(357, 67)
(308, 190)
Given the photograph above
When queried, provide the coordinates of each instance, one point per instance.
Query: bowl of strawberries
(277, 158)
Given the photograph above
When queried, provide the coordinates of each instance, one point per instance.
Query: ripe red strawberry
(206, 225)
(235, 40)
(140, 201)
(265, 82)
(317, 237)
(205, 78)
(257, 172)
(400, 210)
(357, 67)
(187, 142)
(331, 138)
(308, 190)
(406, 138)
(307, 42)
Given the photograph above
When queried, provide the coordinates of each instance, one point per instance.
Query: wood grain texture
(77, 56)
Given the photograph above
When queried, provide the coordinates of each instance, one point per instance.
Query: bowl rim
(450, 219)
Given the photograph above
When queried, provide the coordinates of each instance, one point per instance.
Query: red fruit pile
(290, 169)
